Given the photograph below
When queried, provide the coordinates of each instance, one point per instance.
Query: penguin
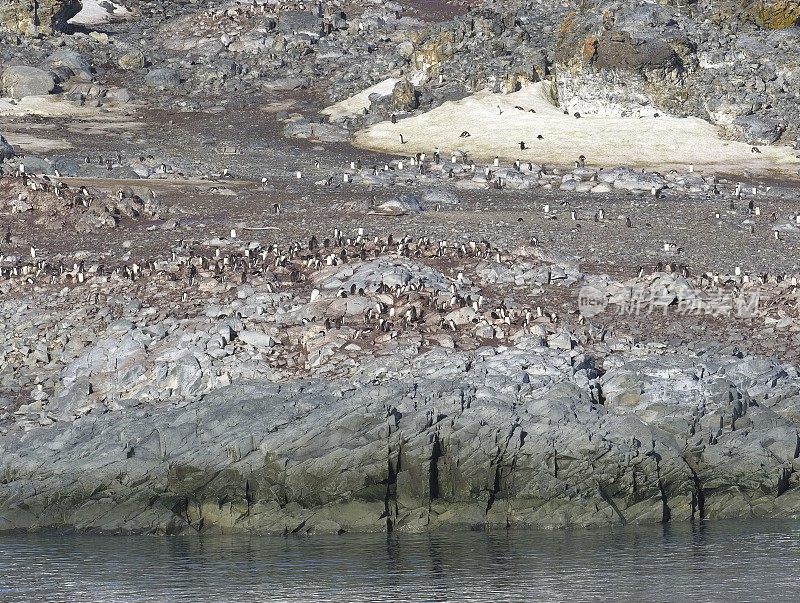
(522, 146)
(465, 134)
(755, 150)
(402, 140)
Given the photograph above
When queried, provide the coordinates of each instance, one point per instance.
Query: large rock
(132, 60)
(163, 78)
(19, 81)
(756, 130)
(6, 150)
(714, 62)
(616, 64)
(403, 203)
(33, 17)
(66, 64)
(404, 96)
(773, 14)
(518, 437)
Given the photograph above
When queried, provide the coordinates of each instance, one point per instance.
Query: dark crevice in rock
(393, 468)
(666, 512)
(433, 472)
(495, 488)
(598, 390)
(497, 464)
(248, 495)
(610, 502)
(181, 510)
(783, 479)
(698, 495)
(299, 527)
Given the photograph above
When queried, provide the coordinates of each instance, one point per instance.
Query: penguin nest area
(497, 123)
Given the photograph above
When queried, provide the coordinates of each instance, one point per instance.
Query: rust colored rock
(35, 17)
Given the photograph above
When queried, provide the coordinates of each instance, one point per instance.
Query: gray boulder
(287, 84)
(402, 204)
(6, 150)
(756, 130)
(37, 165)
(19, 81)
(294, 23)
(65, 64)
(163, 78)
(132, 60)
(256, 339)
(632, 180)
(66, 167)
(437, 196)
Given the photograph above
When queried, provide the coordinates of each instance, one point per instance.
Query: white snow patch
(97, 12)
(355, 105)
(37, 144)
(496, 128)
(54, 105)
(43, 106)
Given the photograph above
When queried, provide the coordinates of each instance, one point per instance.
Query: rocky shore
(357, 383)
(247, 283)
(526, 435)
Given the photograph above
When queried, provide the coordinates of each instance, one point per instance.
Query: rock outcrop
(773, 14)
(418, 362)
(516, 437)
(34, 17)
(622, 59)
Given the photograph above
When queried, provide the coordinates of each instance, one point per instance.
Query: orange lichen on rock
(777, 14)
(589, 49)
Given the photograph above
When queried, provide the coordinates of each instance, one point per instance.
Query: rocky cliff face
(489, 439)
(773, 14)
(717, 61)
(734, 63)
(34, 17)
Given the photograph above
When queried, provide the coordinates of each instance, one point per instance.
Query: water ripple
(709, 561)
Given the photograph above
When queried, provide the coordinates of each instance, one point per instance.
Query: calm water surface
(710, 561)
